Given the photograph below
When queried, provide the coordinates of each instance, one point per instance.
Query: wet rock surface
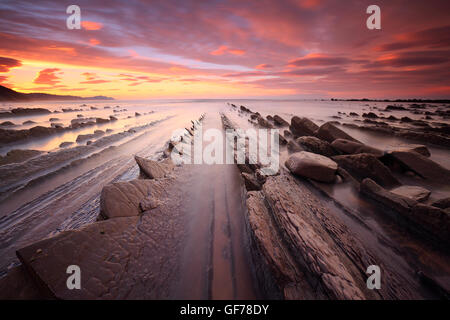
(351, 147)
(18, 155)
(366, 165)
(302, 127)
(413, 192)
(330, 132)
(315, 145)
(123, 199)
(433, 220)
(311, 165)
(154, 169)
(420, 165)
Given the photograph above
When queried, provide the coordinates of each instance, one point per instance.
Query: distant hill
(7, 94)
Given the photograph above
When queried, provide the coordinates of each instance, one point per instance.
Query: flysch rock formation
(302, 251)
(131, 252)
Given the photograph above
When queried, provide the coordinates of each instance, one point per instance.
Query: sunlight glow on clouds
(312, 48)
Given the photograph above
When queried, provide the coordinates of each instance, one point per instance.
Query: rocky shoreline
(300, 248)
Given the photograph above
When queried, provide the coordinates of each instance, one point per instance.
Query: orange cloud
(89, 75)
(225, 49)
(48, 76)
(91, 25)
(94, 42)
(95, 81)
(263, 66)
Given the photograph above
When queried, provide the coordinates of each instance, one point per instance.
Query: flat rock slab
(422, 166)
(304, 226)
(121, 258)
(413, 192)
(275, 266)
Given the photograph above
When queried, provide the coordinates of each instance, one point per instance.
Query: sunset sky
(219, 49)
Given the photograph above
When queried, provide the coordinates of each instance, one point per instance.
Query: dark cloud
(8, 63)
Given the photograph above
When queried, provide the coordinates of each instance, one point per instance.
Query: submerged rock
(351, 147)
(18, 155)
(330, 132)
(263, 122)
(419, 148)
(65, 144)
(442, 203)
(433, 220)
(420, 165)
(364, 165)
(413, 192)
(315, 145)
(311, 165)
(302, 127)
(279, 121)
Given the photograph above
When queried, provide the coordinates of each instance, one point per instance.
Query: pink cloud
(48, 76)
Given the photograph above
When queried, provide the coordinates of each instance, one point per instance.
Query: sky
(307, 49)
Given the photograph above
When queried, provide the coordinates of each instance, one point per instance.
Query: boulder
(263, 122)
(442, 203)
(311, 165)
(100, 120)
(391, 200)
(330, 132)
(279, 121)
(365, 165)
(351, 147)
(154, 169)
(112, 118)
(420, 165)
(315, 145)
(413, 192)
(302, 127)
